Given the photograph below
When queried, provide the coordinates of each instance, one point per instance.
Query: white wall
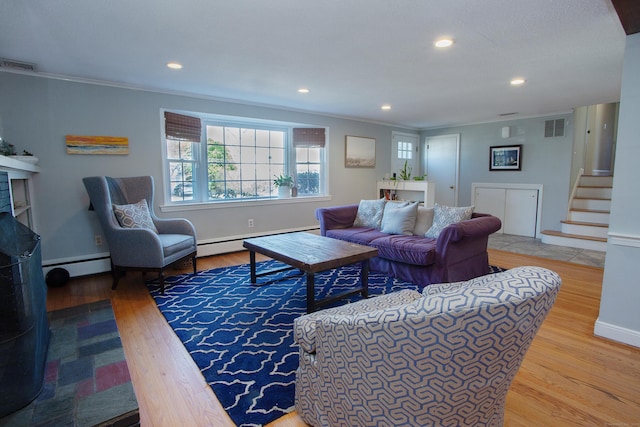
(619, 315)
(38, 112)
(545, 161)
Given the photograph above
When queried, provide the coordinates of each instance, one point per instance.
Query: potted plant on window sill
(284, 184)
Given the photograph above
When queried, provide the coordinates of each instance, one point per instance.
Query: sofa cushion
(415, 250)
(447, 215)
(135, 215)
(399, 218)
(361, 235)
(424, 220)
(370, 213)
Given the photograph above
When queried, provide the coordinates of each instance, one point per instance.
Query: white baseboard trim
(80, 266)
(101, 262)
(617, 333)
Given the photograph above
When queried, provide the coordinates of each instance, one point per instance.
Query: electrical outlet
(250, 222)
(98, 239)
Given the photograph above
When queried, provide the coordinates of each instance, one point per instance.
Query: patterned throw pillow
(399, 218)
(134, 216)
(447, 215)
(370, 213)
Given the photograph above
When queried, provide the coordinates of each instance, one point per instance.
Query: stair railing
(574, 191)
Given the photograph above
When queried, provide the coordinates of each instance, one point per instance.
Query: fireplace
(24, 328)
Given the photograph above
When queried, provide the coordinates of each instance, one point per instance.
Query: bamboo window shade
(179, 126)
(309, 137)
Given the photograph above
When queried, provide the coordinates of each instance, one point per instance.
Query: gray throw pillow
(370, 213)
(447, 215)
(135, 215)
(424, 221)
(399, 218)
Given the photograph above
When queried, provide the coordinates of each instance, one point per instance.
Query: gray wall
(619, 318)
(38, 112)
(545, 161)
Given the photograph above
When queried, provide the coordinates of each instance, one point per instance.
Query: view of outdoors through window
(241, 162)
(181, 161)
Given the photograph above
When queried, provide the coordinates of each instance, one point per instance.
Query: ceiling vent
(10, 64)
(553, 128)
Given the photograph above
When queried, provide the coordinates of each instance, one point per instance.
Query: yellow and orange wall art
(77, 144)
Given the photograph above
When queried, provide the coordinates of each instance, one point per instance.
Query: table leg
(252, 266)
(311, 293)
(364, 278)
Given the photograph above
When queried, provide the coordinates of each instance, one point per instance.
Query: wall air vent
(553, 128)
(10, 64)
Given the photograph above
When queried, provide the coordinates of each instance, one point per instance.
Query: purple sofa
(459, 253)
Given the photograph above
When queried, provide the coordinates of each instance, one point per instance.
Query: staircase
(587, 222)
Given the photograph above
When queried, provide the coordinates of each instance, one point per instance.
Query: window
(405, 150)
(238, 160)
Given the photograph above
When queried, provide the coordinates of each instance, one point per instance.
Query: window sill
(182, 207)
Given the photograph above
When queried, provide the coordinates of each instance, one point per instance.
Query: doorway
(441, 164)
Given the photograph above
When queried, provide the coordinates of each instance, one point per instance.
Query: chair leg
(116, 273)
(193, 261)
(161, 277)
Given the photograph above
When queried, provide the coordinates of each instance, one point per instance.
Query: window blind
(309, 137)
(179, 126)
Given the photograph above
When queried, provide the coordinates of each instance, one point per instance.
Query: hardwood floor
(568, 377)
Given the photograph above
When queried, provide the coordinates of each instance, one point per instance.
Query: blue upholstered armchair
(137, 239)
(443, 357)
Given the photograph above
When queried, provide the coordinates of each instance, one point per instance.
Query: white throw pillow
(134, 216)
(399, 218)
(447, 215)
(370, 213)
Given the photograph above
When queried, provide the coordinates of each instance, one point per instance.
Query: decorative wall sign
(360, 152)
(505, 158)
(97, 144)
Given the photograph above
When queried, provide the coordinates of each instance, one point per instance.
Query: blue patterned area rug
(241, 335)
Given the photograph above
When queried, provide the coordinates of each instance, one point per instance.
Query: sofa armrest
(304, 328)
(461, 249)
(336, 217)
(479, 226)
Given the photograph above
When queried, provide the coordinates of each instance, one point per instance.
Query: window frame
(200, 169)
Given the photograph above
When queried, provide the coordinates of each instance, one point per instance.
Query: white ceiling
(354, 55)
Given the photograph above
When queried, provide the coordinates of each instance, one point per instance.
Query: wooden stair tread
(594, 186)
(588, 224)
(590, 210)
(592, 198)
(573, 236)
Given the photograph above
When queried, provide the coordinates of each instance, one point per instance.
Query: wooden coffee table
(311, 254)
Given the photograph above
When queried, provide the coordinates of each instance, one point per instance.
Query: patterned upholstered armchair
(443, 357)
(137, 238)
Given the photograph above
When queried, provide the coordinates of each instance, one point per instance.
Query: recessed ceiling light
(518, 81)
(303, 90)
(386, 107)
(174, 65)
(443, 42)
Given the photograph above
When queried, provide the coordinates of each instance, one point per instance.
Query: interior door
(404, 147)
(440, 162)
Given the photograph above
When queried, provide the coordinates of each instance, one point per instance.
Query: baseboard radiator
(100, 263)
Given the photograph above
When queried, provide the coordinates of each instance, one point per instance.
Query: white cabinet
(519, 206)
(20, 188)
(420, 191)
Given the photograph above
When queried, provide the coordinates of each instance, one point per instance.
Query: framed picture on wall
(505, 158)
(360, 152)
